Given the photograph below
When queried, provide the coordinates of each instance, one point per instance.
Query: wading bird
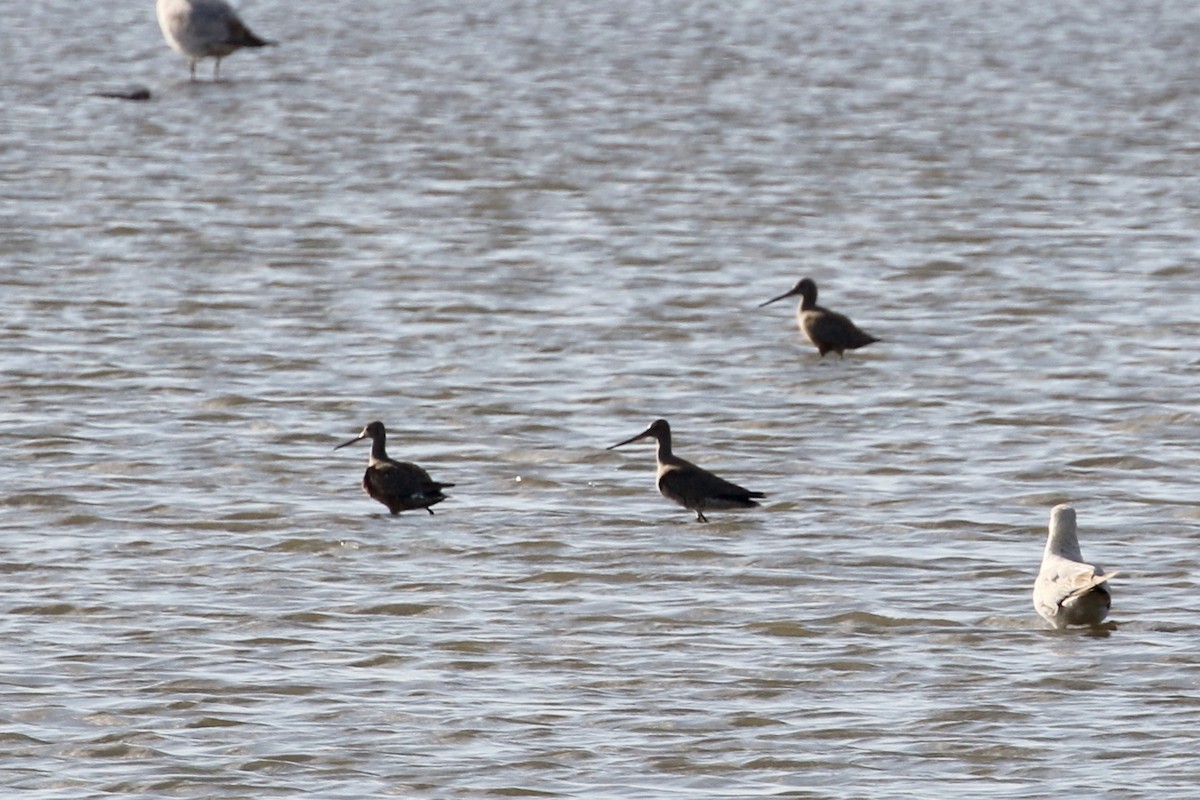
(204, 29)
(690, 486)
(826, 329)
(397, 484)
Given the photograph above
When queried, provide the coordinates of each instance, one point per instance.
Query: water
(517, 234)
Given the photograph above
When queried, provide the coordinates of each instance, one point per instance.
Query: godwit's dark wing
(402, 486)
(829, 330)
(697, 488)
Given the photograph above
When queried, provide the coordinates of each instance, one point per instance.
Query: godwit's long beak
(641, 435)
(789, 293)
(358, 438)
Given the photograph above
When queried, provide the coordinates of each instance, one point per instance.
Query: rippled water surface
(517, 233)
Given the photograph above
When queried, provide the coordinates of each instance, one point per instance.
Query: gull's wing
(1062, 579)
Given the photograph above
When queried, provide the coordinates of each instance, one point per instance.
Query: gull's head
(1064, 537)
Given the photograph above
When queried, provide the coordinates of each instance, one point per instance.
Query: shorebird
(397, 484)
(1069, 591)
(690, 486)
(826, 329)
(204, 29)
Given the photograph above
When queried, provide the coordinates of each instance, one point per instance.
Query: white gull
(204, 29)
(1069, 591)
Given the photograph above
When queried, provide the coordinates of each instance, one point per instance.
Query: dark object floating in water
(137, 93)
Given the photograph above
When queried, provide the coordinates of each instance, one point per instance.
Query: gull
(1069, 591)
(690, 486)
(827, 330)
(397, 484)
(204, 29)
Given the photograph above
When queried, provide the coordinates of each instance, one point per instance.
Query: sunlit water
(517, 233)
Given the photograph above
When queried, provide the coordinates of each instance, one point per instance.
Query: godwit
(690, 486)
(1069, 591)
(397, 484)
(826, 329)
(204, 29)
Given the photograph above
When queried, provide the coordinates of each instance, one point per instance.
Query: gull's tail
(241, 36)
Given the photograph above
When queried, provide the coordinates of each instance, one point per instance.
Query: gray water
(517, 233)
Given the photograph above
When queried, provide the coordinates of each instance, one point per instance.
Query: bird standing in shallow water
(1069, 591)
(690, 486)
(826, 329)
(397, 484)
(204, 29)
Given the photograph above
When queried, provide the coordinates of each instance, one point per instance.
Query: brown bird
(397, 484)
(690, 486)
(826, 329)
